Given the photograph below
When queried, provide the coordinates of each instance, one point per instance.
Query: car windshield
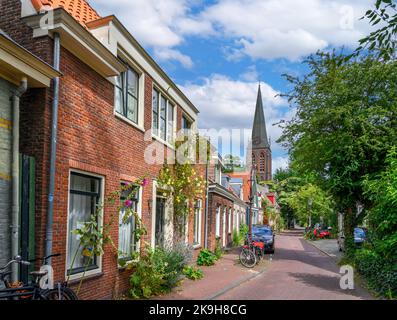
(359, 232)
(262, 231)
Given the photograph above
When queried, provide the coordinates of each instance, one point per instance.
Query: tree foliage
(301, 198)
(383, 216)
(383, 39)
(345, 123)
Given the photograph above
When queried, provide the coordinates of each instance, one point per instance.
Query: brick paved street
(298, 271)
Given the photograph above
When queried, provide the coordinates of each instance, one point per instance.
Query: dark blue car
(265, 235)
(359, 236)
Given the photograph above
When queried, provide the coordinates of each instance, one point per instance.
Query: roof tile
(79, 9)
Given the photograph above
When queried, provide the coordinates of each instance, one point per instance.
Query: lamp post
(251, 198)
(310, 203)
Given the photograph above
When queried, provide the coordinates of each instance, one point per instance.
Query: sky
(218, 51)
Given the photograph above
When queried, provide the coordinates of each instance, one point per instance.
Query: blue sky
(217, 51)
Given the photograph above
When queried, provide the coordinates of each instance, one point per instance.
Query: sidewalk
(329, 247)
(226, 274)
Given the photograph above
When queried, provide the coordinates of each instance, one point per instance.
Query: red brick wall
(216, 200)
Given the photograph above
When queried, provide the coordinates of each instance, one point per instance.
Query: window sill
(126, 120)
(76, 278)
(197, 246)
(163, 142)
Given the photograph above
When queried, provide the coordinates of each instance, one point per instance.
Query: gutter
(206, 209)
(54, 133)
(15, 174)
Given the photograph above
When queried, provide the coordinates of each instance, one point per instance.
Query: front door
(160, 221)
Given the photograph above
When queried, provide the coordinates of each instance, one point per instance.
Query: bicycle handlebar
(46, 258)
(16, 259)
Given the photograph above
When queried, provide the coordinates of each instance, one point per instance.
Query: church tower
(261, 149)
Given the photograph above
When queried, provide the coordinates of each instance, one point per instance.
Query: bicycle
(33, 291)
(252, 252)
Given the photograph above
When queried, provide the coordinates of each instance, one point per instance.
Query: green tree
(383, 216)
(383, 39)
(300, 198)
(345, 122)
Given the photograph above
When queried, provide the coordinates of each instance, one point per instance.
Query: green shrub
(243, 231)
(193, 273)
(218, 249)
(206, 258)
(237, 240)
(309, 235)
(158, 271)
(380, 274)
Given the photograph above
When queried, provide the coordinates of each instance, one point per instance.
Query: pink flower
(128, 203)
(145, 182)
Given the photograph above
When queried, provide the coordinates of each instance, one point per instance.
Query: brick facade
(217, 200)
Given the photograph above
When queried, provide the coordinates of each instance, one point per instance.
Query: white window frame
(100, 224)
(230, 221)
(139, 212)
(141, 94)
(200, 215)
(224, 226)
(218, 222)
(155, 132)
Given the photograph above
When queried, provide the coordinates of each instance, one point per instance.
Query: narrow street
(298, 271)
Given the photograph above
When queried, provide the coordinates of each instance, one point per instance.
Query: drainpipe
(54, 131)
(15, 174)
(206, 210)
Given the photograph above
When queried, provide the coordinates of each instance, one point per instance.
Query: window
(230, 221)
(84, 199)
(197, 223)
(218, 222)
(186, 125)
(163, 117)
(127, 95)
(128, 243)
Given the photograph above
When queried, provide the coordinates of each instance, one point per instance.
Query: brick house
(116, 109)
(19, 70)
(226, 210)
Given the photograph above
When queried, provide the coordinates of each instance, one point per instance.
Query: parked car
(360, 237)
(264, 235)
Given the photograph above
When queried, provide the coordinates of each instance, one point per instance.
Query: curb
(325, 252)
(234, 285)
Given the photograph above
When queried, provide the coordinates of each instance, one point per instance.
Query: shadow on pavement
(325, 282)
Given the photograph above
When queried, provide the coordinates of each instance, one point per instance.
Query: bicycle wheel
(247, 258)
(63, 293)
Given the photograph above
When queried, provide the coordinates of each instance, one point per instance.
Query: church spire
(259, 132)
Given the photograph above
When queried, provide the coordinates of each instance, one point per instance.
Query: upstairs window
(162, 117)
(127, 92)
(186, 124)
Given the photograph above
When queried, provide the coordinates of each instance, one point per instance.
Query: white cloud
(227, 103)
(158, 24)
(251, 74)
(260, 29)
(280, 163)
(288, 28)
(171, 54)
